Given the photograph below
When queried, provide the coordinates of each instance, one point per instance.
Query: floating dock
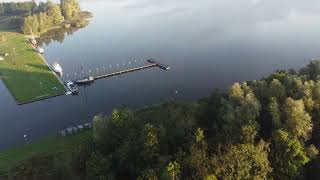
(162, 66)
(91, 79)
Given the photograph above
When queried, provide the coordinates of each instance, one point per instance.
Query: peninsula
(23, 69)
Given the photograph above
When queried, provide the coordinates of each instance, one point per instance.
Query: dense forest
(17, 9)
(40, 18)
(262, 129)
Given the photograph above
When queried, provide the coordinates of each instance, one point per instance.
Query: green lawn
(51, 145)
(25, 73)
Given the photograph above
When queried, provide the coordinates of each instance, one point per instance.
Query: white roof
(1, 58)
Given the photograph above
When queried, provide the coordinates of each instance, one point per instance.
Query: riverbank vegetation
(30, 17)
(24, 72)
(52, 145)
(263, 129)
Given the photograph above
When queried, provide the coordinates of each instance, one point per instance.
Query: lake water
(208, 44)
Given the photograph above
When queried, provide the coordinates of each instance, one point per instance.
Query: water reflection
(55, 35)
(208, 43)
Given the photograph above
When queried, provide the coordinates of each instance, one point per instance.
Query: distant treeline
(18, 9)
(44, 16)
(50, 15)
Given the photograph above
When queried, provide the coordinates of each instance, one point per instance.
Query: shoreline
(45, 96)
(24, 68)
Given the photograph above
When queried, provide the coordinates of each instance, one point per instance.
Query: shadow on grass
(39, 66)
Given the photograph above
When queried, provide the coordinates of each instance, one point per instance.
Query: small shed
(1, 58)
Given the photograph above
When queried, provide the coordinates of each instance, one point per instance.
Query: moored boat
(57, 68)
(72, 87)
(40, 50)
(86, 80)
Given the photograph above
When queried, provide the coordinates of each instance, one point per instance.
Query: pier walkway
(152, 63)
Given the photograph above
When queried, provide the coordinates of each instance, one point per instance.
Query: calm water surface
(208, 43)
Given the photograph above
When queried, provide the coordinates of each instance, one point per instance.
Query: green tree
(236, 93)
(260, 89)
(298, 122)
(54, 13)
(274, 110)
(249, 109)
(199, 159)
(43, 22)
(248, 133)
(70, 8)
(99, 126)
(150, 142)
(288, 155)
(276, 89)
(242, 108)
(31, 23)
(312, 70)
(1, 9)
(172, 171)
(242, 161)
(98, 165)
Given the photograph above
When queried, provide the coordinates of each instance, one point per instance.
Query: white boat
(72, 87)
(57, 68)
(40, 50)
(86, 80)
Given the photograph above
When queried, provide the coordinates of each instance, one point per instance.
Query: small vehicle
(72, 87)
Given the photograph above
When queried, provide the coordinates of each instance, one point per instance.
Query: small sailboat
(57, 68)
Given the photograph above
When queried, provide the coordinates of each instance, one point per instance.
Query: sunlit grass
(24, 72)
(48, 146)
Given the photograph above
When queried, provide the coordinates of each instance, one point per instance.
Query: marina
(91, 79)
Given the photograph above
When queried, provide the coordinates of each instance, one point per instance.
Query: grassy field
(24, 72)
(51, 145)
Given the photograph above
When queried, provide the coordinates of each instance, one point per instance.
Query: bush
(3, 38)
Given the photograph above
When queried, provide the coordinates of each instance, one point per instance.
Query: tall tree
(199, 158)
(31, 23)
(54, 13)
(70, 8)
(274, 110)
(288, 155)
(242, 161)
(276, 89)
(1, 9)
(298, 122)
(172, 171)
(312, 70)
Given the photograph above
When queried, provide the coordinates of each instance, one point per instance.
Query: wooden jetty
(91, 79)
(162, 66)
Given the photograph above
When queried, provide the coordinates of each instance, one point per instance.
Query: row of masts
(108, 69)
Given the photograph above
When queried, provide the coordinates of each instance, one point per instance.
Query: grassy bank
(51, 145)
(24, 72)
